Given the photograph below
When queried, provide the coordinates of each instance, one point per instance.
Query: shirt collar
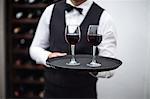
(85, 6)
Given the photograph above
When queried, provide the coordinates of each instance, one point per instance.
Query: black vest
(57, 27)
(58, 43)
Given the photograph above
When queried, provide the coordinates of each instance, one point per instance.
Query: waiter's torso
(58, 44)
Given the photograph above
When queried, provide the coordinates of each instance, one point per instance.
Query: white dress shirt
(41, 38)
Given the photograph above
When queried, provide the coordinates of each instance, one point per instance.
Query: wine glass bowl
(94, 39)
(72, 36)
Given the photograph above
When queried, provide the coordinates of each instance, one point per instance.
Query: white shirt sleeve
(108, 45)
(41, 39)
(107, 29)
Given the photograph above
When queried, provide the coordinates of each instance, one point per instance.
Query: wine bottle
(19, 90)
(22, 43)
(31, 15)
(33, 1)
(17, 30)
(17, 93)
(45, 1)
(41, 94)
(18, 62)
(30, 94)
(31, 31)
(23, 29)
(39, 76)
(34, 14)
(19, 15)
(20, 30)
(19, 1)
(39, 12)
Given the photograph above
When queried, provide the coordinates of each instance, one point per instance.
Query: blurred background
(21, 77)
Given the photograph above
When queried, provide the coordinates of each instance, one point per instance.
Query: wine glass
(94, 38)
(72, 36)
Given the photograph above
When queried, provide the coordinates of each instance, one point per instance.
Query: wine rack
(24, 78)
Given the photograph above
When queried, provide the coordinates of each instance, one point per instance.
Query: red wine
(72, 38)
(94, 39)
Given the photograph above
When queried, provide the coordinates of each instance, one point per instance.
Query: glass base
(94, 64)
(73, 63)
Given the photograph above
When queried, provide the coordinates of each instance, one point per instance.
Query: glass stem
(72, 52)
(94, 50)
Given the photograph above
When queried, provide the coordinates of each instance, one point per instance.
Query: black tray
(106, 63)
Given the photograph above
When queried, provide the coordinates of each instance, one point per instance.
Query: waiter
(49, 41)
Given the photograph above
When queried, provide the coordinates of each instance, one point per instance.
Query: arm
(40, 41)
(108, 45)
(107, 29)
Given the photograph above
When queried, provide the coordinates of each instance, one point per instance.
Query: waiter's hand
(105, 74)
(56, 54)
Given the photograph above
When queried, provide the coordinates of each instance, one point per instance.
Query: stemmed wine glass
(94, 38)
(72, 36)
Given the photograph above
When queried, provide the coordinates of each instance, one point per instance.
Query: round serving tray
(106, 63)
